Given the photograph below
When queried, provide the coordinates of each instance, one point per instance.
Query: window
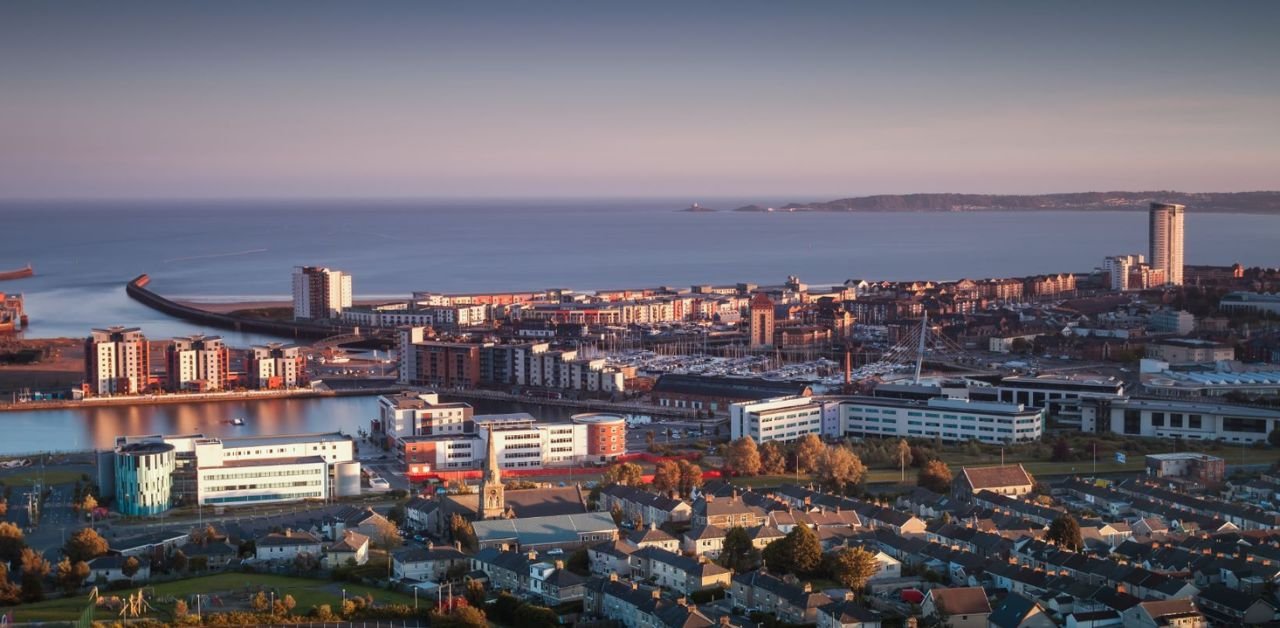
(1157, 419)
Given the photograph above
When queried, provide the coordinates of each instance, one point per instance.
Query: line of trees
(836, 467)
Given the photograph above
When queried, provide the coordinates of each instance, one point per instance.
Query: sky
(782, 100)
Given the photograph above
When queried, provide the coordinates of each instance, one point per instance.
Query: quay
(211, 397)
(594, 405)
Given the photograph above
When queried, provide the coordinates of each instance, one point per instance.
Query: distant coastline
(1263, 202)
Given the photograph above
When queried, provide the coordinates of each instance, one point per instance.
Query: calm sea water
(85, 252)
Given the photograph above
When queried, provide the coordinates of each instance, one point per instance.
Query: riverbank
(589, 405)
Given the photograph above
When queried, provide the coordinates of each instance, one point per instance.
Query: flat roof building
(949, 419)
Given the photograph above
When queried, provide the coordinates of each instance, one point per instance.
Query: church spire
(492, 494)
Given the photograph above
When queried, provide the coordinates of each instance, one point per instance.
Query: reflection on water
(91, 428)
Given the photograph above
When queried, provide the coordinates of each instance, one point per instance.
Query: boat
(20, 273)
(237, 421)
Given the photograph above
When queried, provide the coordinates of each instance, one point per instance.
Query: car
(419, 538)
(555, 551)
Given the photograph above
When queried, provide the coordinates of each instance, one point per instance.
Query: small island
(697, 208)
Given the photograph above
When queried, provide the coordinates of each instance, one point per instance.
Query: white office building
(1193, 420)
(1117, 269)
(778, 419)
(520, 441)
(252, 470)
(948, 419)
(320, 293)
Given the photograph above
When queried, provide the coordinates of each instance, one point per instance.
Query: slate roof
(848, 612)
(961, 600)
(543, 530)
(1010, 612)
(287, 539)
(705, 532)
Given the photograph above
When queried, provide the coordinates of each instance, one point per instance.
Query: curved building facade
(144, 478)
(606, 434)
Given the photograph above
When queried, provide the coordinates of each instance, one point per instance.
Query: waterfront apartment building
(442, 364)
(761, 322)
(198, 362)
(1192, 420)
(227, 471)
(117, 361)
(276, 365)
(1166, 235)
(410, 414)
(320, 293)
(1118, 267)
(949, 419)
(779, 419)
(520, 442)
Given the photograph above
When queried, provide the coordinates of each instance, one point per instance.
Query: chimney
(457, 545)
(653, 525)
(849, 596)
(533, 555)
(634, 586)
(724, 621)
(613, 576)
(709, 497)
(559, 564)
(682, 601)
(657, 594)
(288, 532)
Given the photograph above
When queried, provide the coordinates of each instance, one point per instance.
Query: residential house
(706, 540)
(427, 564)
(960, 607)
(676, 572)
(726, 512)
(287, 545)
(786, 599)
(652, 537)
(1229, 607)
(1180, 613)
(644, 506)
(110, 568)
(847, 614)
(1016, 611)
(351, 549)
(555, 584)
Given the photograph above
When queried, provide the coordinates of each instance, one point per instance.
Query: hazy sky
(786, 100)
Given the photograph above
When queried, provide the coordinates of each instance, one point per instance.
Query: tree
(396, 515)
(742, 457)
(86, 545)
(179, 561)
(1061, 450)
(690, 477)
(385, 535)
(460, 617)
(130, 567)
(289, 603)
(34, 569)
(935, 475)
(799, 552)
(666, 476)
(1274, 437)
(10, 594)
(260, 603)
(475, 594)
(71, 575)
(903, 457)
(88, 504)
(738, 552)
(773, 460)
(839, 468)
(853, 567)
(624, 473)
(180, 609)
(808, 450)
(462, 532)
(579, 562)
(649, 437)
(12, 542)
(1065, 533)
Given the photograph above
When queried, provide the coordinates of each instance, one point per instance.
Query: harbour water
(77, 429)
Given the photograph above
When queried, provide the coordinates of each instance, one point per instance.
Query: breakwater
(301, 330)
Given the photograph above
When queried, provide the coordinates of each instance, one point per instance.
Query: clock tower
(492, 503)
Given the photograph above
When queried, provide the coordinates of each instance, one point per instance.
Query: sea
(84, 253)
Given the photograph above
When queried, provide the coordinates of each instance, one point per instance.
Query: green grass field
(230, 586)
(51, 477)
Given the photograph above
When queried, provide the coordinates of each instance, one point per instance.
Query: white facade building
(1117, 268)
(778, 419)
(118, 361)
(1192, 420)
(320, 293)
(275, 365)
(200, 362)
(948, 419)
